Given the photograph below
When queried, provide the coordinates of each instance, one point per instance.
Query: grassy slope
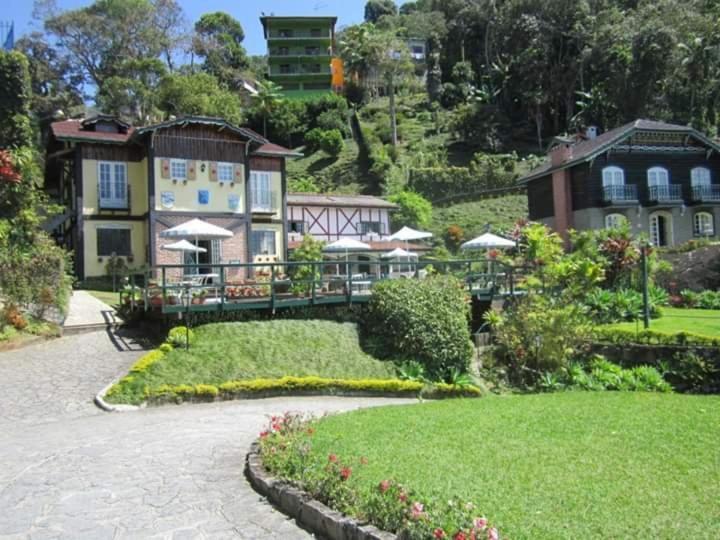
(109, 297)
(500, 212)
(233, 351)
(568, 465)
(697, 321)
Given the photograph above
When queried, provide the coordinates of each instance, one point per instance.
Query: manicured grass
(109, 297)
(566, 465)
(263, 349)
(697, 321)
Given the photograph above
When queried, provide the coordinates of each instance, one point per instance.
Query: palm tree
(268, 97)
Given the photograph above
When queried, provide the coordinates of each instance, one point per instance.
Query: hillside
(500, 213)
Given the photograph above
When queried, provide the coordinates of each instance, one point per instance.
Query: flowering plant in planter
(286, 450)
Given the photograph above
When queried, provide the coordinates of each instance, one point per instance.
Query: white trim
(612, 221)
(225, 164)
(113, 226)
(182, 162)
(670, 236)
(696, 225)
(113, 200)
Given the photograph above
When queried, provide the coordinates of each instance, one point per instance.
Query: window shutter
(213, 171)
(238, 173)
(191, 175)
(165, 168)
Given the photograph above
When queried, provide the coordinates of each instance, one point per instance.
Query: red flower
(332, 458)
(264, 434)
(345, 473)
(402, 497)
(460, 535)
(480, 523)
(439, 533)
(384, 486)
(8, 172)
(416, 510)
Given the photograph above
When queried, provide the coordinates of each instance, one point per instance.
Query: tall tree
(374, 9)
(395, 66)
(15, 99)
(198, 94)
(267, 100)
(218, 40)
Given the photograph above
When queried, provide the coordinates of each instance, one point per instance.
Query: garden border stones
(307, 512)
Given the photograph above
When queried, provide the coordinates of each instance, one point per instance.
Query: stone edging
(110, 407)
(310, 514)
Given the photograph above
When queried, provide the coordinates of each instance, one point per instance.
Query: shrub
(180, 335)
(313, 140)
(426, 320)
(332, 142)
(147, 360)
(600, 374)
(618, 336)
(414, 209)
(536, 334)
(330, 120)
(690, 371)
(624, 304)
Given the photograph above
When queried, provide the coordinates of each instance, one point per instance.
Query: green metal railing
(226, 287)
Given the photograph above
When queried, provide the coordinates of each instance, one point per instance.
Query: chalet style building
(122, 186)
(662, 179)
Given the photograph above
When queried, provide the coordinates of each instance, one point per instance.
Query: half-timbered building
(661, 179)
(123, 186)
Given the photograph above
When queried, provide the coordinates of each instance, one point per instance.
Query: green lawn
(565, 465)
(263, 349)
(697, 321)
(110, 298)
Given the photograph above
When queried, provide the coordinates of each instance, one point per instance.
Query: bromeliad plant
(286, 450)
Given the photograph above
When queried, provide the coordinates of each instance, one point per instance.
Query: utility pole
(644, 246)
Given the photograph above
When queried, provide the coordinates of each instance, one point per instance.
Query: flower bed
(285, 451)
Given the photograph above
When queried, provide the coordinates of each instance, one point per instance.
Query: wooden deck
(168, 289)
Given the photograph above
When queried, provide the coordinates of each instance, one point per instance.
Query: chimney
(591, 132)
(560, 154)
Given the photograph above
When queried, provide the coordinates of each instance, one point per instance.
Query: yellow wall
(275, 187)
(138, 239)
(186, 194)
(137, 178)
(279, 240)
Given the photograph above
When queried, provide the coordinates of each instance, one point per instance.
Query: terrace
(276, 285)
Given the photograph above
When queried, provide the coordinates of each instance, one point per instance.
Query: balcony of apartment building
(620, 195)
(301, 52)
(707, 193)
(290, 34)
(299, 70)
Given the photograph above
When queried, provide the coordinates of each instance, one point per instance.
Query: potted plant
(199, 297)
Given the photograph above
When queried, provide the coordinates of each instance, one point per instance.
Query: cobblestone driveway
(71, 471)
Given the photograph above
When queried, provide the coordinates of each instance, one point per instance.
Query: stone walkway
(86, 310)
(71, 471)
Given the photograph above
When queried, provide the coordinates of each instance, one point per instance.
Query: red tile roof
(271, 149)
(72, 129)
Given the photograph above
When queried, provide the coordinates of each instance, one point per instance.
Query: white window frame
(706, 229)
(698, 180)
(112, 190)
(658, 176)
(178, 163)
(613, 176)
(615, 220)
(260, 191)
(654, 229)
(222, 167)
(265, 232)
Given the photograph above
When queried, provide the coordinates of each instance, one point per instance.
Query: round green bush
(425, 320)
(332, 142)
(177, 336)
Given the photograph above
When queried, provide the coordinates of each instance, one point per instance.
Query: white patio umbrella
(183, 246)
(347, 245)
(488, 241)
(198, 230)
(399, 253)
(406, 234)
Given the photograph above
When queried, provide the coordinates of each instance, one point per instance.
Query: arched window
(700, 176)
(703, 224)
(614, 221)
(661, 229)
(613, 176)
(658, 176)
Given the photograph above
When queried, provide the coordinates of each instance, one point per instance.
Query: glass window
(260, 191)
(315, 32)
(284, 68)
(234, 202)
(113, 240)
(225, 172)
(700, 176)
(613, 176)
(614, 221)
(113, 184)
(296, 226)
(703, 224)
(657, 176)
(262, 243)
(178, 169)
(370, 227)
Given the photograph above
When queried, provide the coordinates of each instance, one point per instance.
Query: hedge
(290, 385)
(616, 336)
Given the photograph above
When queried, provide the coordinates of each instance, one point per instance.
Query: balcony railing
(298, 71)
(264, 202)
(299, 34)
(299, 54)
(708, 193)
(114, 203)
(666, 193)
(620, 194)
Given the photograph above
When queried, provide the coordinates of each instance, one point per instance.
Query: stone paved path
(85, 309)
(70, 471)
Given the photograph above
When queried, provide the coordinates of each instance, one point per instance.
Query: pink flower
(264, 434)
(416, 510)
(402, 497)
(480, 523)
(460, 535)
(492, 534)
(384, 486)
(439, 533)
(345, 473)
(332, 458)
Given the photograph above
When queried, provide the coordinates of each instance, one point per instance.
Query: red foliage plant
(8, 172)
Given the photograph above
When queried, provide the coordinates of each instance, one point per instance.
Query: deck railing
(665, 193)
(229, 287)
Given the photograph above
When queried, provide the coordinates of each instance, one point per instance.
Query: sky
(246, 11)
